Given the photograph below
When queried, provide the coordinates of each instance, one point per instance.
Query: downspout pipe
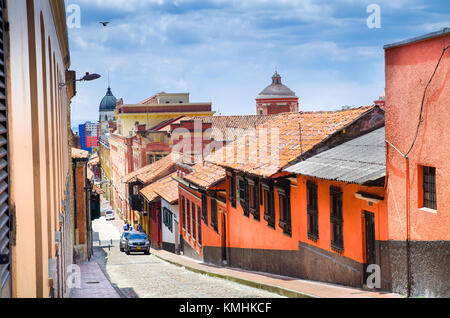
(408, 213)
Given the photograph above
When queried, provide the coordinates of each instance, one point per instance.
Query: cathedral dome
(276, 89)
(108, 102)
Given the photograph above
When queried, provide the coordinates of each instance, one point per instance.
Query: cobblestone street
(146, 276)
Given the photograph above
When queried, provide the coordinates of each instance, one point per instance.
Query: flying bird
(104, 23)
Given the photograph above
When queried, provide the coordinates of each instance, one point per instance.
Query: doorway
(370, 248)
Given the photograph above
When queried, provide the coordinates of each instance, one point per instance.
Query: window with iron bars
(429, 188)
(313, 211)
(336, 218)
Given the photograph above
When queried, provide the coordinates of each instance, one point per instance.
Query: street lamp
(88, 77)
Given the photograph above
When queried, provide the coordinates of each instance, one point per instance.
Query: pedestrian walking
(126, 227)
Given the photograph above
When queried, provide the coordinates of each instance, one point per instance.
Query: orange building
(265, 218)
(418, 169)
(202, 197)
(337, 198)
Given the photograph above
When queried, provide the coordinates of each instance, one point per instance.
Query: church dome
(108, 102)
(276, 89)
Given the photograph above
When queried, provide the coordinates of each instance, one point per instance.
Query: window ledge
(428, 210)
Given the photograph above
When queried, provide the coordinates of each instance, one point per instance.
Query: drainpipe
(408, 209)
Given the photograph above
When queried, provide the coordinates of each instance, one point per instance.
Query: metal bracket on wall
(4, 259)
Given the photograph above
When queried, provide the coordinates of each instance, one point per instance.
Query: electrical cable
(423, 101)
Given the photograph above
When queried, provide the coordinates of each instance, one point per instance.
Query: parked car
(123, 240)
(109, 215)
(137, 242)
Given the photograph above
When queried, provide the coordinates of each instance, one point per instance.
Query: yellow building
(34, 141)
(155, 110)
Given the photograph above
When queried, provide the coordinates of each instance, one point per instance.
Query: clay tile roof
(151, 172)
(253, 154)
(149, 193)
(160, 168)
(79, 154)
(167, 188)
(220, 124)
(206, 175)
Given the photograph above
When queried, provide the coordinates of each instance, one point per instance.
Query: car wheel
(147, 252)
(121, 249)
(128, 252)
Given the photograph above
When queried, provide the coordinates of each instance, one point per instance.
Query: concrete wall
(39, 115)
(408, 71)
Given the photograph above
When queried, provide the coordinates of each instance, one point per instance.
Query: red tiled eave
(206, 175)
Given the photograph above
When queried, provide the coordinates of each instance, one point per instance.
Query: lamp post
(87, 77)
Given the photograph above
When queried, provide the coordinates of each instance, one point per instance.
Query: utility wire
(423, 101)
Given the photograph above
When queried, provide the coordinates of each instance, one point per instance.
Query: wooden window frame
(205, 208)
(199, 230)
(336, 219)
(214, 216)
(312, 208)
(232, 188)
(194, 221)
(269, 203)
(183, 211)
(284, 205)
(188, 216)
(254, 200)
(429, 187)
(243, 195)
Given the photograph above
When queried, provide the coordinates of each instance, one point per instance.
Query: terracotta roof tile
(167, 188)
(151, 172)
(206, 175)
(253, 153)
(79, 154)
(220, 124)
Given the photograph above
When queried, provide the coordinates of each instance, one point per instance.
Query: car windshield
(109, 212)
(138, 237)
(126, 234)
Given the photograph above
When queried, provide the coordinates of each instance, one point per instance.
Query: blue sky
(225, 51)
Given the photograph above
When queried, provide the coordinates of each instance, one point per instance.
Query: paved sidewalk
(94, 283)
(286, 286)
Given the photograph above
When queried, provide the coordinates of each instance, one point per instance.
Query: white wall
(168, 236)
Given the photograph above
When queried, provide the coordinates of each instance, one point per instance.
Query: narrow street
(146, 276)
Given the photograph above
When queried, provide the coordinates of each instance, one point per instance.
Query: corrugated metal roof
(357, 161)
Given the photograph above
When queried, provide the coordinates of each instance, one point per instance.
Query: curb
(270, 288)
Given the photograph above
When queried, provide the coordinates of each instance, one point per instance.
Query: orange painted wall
(408, 70)
(193, 197)
(353, 208)
(248, 233)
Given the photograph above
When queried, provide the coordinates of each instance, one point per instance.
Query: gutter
(408, 215)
